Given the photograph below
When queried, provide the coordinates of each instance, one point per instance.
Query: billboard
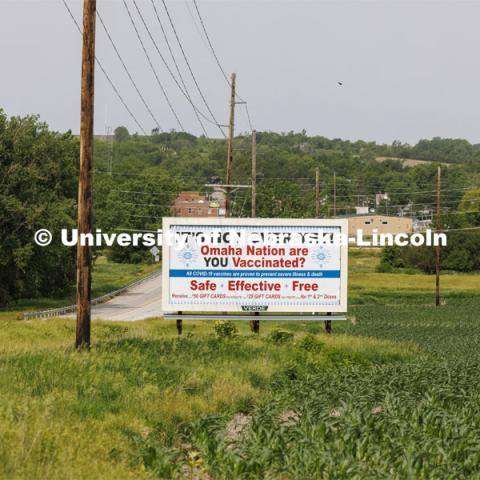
(254, 265)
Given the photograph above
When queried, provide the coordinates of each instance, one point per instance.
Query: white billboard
(264, 265)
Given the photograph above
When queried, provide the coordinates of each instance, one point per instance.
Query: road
(139, 302)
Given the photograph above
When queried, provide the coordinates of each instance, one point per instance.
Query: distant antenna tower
(109, 148)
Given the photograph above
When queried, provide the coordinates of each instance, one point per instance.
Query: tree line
(136, 180)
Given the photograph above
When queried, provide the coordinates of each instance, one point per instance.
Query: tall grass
(122, 410)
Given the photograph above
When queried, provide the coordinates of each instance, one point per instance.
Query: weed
(280, 336)
(225, 329)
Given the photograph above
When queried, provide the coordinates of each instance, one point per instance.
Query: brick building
(194, 204)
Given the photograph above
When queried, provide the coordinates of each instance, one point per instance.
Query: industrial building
(381, 223)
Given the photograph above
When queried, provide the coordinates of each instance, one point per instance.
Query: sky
(410, 69)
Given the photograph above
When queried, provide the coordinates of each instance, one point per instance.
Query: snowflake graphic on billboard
(187, 255)
(321, 256)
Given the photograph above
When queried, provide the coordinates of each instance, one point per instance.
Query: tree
(38, 177)
(138, 204)
(469, 207)
(121, 134)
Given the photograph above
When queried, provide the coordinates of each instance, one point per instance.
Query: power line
(141, 193)
(217, 60)
(457, 229)
(146, 204)
(290, 179)
(204, 28)
(248, 116)
(151, 65)
(176, 64)
(448, 204)
(106, 74)
(188, 63)
(194, 20)
(170, 70)
(128, 72)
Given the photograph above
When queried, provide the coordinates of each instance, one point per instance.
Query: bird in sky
(340, 83)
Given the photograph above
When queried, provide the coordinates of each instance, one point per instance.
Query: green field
(393, 393)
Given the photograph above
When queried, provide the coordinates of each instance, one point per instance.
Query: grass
(394, 395)
(367, 286)
(120, 411)
(106, 277)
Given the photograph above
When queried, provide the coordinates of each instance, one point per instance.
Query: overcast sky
(410, 69)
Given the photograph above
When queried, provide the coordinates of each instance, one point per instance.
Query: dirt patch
(289, 418)
(335, 413)
(236, 426)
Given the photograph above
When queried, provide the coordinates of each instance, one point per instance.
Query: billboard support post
(179, 324)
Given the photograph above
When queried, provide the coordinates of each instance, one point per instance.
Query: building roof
(375, 215)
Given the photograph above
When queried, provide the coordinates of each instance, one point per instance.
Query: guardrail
(56, 312)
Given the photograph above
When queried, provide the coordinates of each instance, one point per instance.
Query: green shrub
(391, 257)
(385, 268)
(310, 344)
(225, 329)
(460, 255)
(280, 336)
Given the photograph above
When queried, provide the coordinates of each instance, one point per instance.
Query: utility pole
(84, 260)
(254, 173)
(437, 248)
(334, 195)
(254, 324)
(231, 131)
(328, 323)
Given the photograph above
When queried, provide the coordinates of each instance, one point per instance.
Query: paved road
(137, 303)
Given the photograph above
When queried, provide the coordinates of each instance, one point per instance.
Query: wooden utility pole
(84, 260)
(437, 248)
(254, 174)
(328, 323)
(231, 132)
(254, 324)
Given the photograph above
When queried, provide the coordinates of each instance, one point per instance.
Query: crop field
(393, 393)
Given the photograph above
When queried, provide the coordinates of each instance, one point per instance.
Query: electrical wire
(139, 193)
(289, 179)
(170, 70)
(151, 65)
(128, 72)
(194, 20)
(202, 96)
(176, 66)
(217, 60)
(106, 74)
(207, 36)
